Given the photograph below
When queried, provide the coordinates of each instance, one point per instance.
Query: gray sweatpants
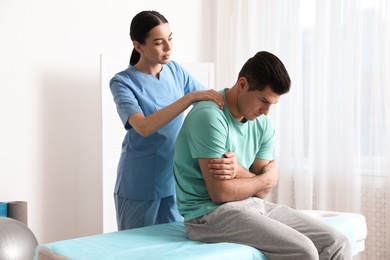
(278, 231)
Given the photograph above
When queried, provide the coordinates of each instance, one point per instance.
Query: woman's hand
(224, 168)
(210, 94)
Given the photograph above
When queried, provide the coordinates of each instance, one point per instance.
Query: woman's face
(158, 45)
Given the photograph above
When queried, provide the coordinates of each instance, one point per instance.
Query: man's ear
(242, 83)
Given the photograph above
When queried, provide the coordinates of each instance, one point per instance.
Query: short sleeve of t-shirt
(207, 132)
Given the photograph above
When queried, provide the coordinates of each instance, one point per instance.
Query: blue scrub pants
(140, 213)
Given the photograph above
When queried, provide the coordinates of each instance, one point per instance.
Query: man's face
(252, 104)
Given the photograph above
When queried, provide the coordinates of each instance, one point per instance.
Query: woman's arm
(146, 126)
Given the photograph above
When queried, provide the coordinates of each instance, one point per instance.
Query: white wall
(50, 104)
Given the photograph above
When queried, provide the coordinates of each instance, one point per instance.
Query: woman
(150, 96)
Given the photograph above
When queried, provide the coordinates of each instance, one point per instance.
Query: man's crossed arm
(226, 180)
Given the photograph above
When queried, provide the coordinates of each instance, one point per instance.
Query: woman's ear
(137, 46)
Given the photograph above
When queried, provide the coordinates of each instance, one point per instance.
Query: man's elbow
(220, 197)
(263, 193)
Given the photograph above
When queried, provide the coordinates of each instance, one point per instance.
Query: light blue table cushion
(166, 241)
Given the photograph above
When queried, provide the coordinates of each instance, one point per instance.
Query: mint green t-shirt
(209, 132)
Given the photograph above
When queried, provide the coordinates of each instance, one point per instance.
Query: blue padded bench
(169, 241)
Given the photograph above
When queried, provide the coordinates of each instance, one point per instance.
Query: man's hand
(224, 168)
(226, 180)
(270, 176)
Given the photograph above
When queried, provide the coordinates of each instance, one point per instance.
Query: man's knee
(339, 247)
(307, 250)
(342, 246)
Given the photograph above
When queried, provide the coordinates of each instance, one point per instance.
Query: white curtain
(333, 128)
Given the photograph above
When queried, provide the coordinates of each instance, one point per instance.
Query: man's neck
(231, 102)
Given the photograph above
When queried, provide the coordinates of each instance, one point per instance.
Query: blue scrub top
(145, 170)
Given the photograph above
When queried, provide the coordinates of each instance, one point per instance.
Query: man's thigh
(326, 239)
(246, 222)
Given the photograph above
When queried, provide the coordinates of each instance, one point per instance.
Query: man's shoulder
(206, 104)
(205, 108)
(204, 114)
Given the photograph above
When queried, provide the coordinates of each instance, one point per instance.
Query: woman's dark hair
(265, 69)
(140, 26)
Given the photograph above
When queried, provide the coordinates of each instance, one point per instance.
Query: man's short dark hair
(265, 69)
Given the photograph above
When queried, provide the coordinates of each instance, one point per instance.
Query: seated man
(223, 201)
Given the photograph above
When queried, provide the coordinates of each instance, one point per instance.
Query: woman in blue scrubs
(150, 96)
